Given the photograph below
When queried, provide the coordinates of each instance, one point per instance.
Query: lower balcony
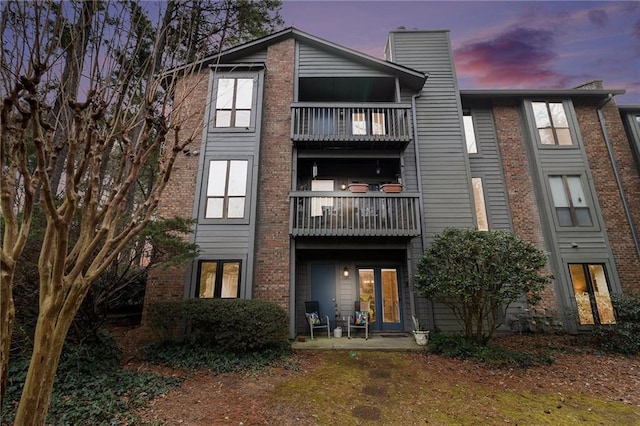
(335, 214)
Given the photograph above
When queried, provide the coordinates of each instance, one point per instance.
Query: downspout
(625, 204)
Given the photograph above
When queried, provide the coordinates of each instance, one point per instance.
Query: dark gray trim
(254, 122)
(248, 198)
(539, 94)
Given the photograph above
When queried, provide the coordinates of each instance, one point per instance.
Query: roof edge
(523, 93)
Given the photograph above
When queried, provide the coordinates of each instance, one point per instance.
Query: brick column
(166, 284)
(519, 183)
(272, 240)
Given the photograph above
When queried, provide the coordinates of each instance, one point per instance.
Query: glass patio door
(379, 288)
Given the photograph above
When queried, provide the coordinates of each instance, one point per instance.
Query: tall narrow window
(219, 279)
(481, 210)
(226, 189)
(591, 290)
(469, 133)
(552, 123)
(233, 102)
(569, 201)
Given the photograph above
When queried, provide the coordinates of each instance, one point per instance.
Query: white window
(469, 133)
(234, 100)
(226, 189)
(481, 210)
(551, 122)
(569, 201)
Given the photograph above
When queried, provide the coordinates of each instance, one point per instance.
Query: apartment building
(323, 173)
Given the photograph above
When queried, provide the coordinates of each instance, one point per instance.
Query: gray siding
(443, 163)
(314, 62)
(487, 164)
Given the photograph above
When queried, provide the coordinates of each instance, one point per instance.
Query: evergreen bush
(222, 325)
(623, 337)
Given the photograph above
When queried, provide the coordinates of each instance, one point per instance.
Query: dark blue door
(323, 287)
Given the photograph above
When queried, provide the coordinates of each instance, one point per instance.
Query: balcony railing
(346, 214)
(317, 125)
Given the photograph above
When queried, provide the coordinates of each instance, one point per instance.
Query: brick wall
(609, 197)
(272, 241)
(519, 184)
(178, 197)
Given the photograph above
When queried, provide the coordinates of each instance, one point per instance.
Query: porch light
(314, 170)
(345, 272)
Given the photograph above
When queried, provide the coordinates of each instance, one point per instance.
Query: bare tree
(123, 112)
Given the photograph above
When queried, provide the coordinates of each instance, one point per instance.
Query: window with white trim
(219, 279)
(569, 201)
(552, 123)
(233, 102)
(226, 189)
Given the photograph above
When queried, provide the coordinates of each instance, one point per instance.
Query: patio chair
(314, 319)
(360, 319)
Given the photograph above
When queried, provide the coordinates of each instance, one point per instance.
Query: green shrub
(456, 346)
(624, 336)
(478, 274)
(222, 325)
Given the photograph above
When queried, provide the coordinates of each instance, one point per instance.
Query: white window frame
(221, 191)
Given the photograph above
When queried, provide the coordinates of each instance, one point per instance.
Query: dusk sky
(498, 44)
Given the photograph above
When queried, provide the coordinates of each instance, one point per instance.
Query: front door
(380, 288)
(323, 287)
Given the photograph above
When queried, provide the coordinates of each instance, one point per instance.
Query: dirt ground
(258, 398)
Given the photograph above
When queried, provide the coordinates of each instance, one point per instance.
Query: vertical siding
(444, 166)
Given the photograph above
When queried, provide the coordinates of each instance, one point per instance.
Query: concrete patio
(377, 342)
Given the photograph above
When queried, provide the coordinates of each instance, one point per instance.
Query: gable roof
(408, 76)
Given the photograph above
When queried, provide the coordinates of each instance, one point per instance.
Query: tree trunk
(53, 324)
(7, 318)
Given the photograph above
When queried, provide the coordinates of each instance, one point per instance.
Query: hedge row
(225, 325)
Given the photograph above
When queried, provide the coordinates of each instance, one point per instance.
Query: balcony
(337, 214)
(356, 126)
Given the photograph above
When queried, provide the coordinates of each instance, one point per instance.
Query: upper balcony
(346, 214)
(317, 125)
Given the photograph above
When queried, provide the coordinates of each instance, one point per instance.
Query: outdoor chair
(360, 319)
(314, 319)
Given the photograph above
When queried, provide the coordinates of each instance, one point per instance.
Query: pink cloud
(517, 57)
